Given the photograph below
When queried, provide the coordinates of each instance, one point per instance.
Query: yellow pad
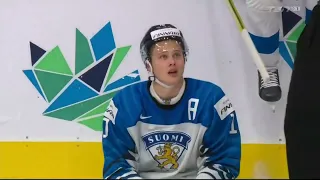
(85, 160)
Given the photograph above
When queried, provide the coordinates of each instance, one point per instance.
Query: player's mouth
(173, 72)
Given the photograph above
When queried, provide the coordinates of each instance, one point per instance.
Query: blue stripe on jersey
(124, 140)
(223, 149)
(266, 45)
(124, 174)
(132, 176)
(116, 148)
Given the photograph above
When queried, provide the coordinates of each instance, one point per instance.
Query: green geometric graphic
(93, 123)
(97, 110)
(54, 61)
(292, 47)
(120, 55)
(294, 36)
(80, 102)
(83, 52)
(72, 112)
(51, 83)
(287, 46)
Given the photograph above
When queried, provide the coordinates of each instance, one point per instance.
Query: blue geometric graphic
(31, 76)
(128, 79)
(284, 52)
(103, 42)
(82, 93)
(75, 92)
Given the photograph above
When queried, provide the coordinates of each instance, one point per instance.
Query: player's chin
(173, 80)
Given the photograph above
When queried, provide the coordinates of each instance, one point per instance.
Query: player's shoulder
(214, 95)
(205, 88)
(121, 105)
(131, 92)
(130, 96)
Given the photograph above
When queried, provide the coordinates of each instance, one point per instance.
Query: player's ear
(148, 65)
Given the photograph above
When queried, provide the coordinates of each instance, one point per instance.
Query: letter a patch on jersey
(166, 147)
(224, 107)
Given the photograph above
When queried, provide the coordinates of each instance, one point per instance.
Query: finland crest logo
(166, 147)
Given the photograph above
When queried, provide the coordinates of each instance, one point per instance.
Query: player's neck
(165, 93)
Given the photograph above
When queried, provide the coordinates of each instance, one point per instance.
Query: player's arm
(118, 146)
(220, 152)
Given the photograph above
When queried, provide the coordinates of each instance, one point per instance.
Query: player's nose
(171, 61)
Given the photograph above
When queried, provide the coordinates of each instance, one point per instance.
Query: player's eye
(163, 56)
(177, 54)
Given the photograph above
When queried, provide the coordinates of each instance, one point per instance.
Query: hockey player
(263, 21)
(170, 126)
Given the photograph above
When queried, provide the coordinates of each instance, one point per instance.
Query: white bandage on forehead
(168, 46)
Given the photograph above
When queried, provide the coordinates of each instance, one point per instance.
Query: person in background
(301, 123)
(263, 22)
(170, 126)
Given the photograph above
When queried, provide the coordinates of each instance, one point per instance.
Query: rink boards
(85, 160)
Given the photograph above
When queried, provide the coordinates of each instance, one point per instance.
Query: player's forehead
(166, 46)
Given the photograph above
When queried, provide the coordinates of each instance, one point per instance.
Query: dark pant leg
(302, 117)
